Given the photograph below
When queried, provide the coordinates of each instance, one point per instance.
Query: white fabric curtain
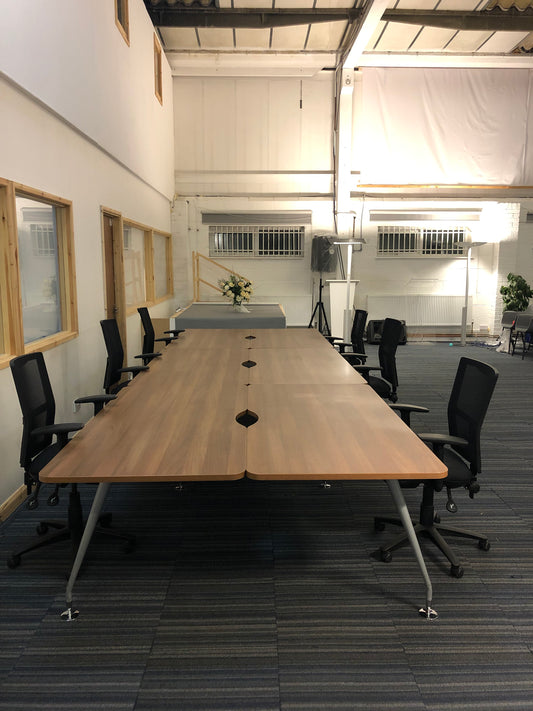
(445, 126)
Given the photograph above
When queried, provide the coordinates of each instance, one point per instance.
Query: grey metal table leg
(401, 506)
(69, 614)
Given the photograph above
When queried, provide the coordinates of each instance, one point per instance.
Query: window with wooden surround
(162, 252)
(122, 18)
(134, 265)
(37, 280)
(158, 70)
(147, 266)
(402, 240)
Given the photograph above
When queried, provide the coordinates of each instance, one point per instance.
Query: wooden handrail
(197, 280)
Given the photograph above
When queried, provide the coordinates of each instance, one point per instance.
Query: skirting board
(12, 503)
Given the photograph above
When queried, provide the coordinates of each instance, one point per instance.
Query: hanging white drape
(445, 126)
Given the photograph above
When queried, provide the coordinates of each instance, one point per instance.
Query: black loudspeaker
(374, 330)
(323, 255)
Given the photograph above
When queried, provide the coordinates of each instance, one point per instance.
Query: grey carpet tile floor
(271, 597)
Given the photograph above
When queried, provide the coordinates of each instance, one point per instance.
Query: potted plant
(516, 294)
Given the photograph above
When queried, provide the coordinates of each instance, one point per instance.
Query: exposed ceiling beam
(359, 33)
(503, 20)
(492, 20)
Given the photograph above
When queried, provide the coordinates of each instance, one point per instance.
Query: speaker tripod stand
(319, 308)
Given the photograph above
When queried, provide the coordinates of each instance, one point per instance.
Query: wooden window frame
(10, 277)
(158, 70)
(168, 265)
(149, 275)
(124, 25)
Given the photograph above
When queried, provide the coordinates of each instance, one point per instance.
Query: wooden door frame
(119, 314)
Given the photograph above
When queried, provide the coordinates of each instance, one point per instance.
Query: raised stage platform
(222, 315)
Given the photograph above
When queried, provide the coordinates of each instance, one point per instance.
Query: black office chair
(115, 358)
(460, 451)
(387, 384)
(38, 448)
(149, 339)
(356, 336)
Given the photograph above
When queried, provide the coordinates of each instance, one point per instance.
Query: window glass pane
(160, 265)
(39, 268)
(134, 274)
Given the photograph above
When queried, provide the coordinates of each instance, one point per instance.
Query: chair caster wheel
(457, 571)
(32, 504)
(53, 500)
(41, 529)
(386, 556)
(484, 545)
(379, 526)
(13, 561)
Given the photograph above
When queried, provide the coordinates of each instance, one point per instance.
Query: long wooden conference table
(306, 413)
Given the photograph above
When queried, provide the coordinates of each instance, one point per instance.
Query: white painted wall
(245, 144)
(105, 159)
(72, 57)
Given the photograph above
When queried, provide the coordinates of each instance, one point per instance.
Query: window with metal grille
(256, 241)
(421, 241)
(43, 240)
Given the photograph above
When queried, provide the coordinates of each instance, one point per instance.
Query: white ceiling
(219, 38)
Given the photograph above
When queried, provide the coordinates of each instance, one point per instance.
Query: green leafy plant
(516, 294)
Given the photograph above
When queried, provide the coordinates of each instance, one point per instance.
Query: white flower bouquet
(236, 288)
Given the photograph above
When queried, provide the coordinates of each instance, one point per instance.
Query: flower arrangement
(236, 288)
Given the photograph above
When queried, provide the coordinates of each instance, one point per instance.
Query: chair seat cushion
(42, 459)
(459, 472)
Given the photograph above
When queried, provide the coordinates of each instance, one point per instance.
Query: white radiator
(418, 309)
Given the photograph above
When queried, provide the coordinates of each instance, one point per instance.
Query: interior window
(122, 18)
(39, 268)
(162, 266)
(134, 266)
(37, 276)
(158, 70)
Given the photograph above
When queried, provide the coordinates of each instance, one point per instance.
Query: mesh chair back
(149, 333)
(471, 394)
(115, 352)
(390, 337)
(358, 330)
(36, 402)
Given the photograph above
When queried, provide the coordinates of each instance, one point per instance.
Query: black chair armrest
(133, 369)
(364, 369)
(405, 410)
(332, 339)
(442, 439)
(166, 339)
(61, 430)
(175, 331)
(97, 400)
(439, 441)
(355, 359)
